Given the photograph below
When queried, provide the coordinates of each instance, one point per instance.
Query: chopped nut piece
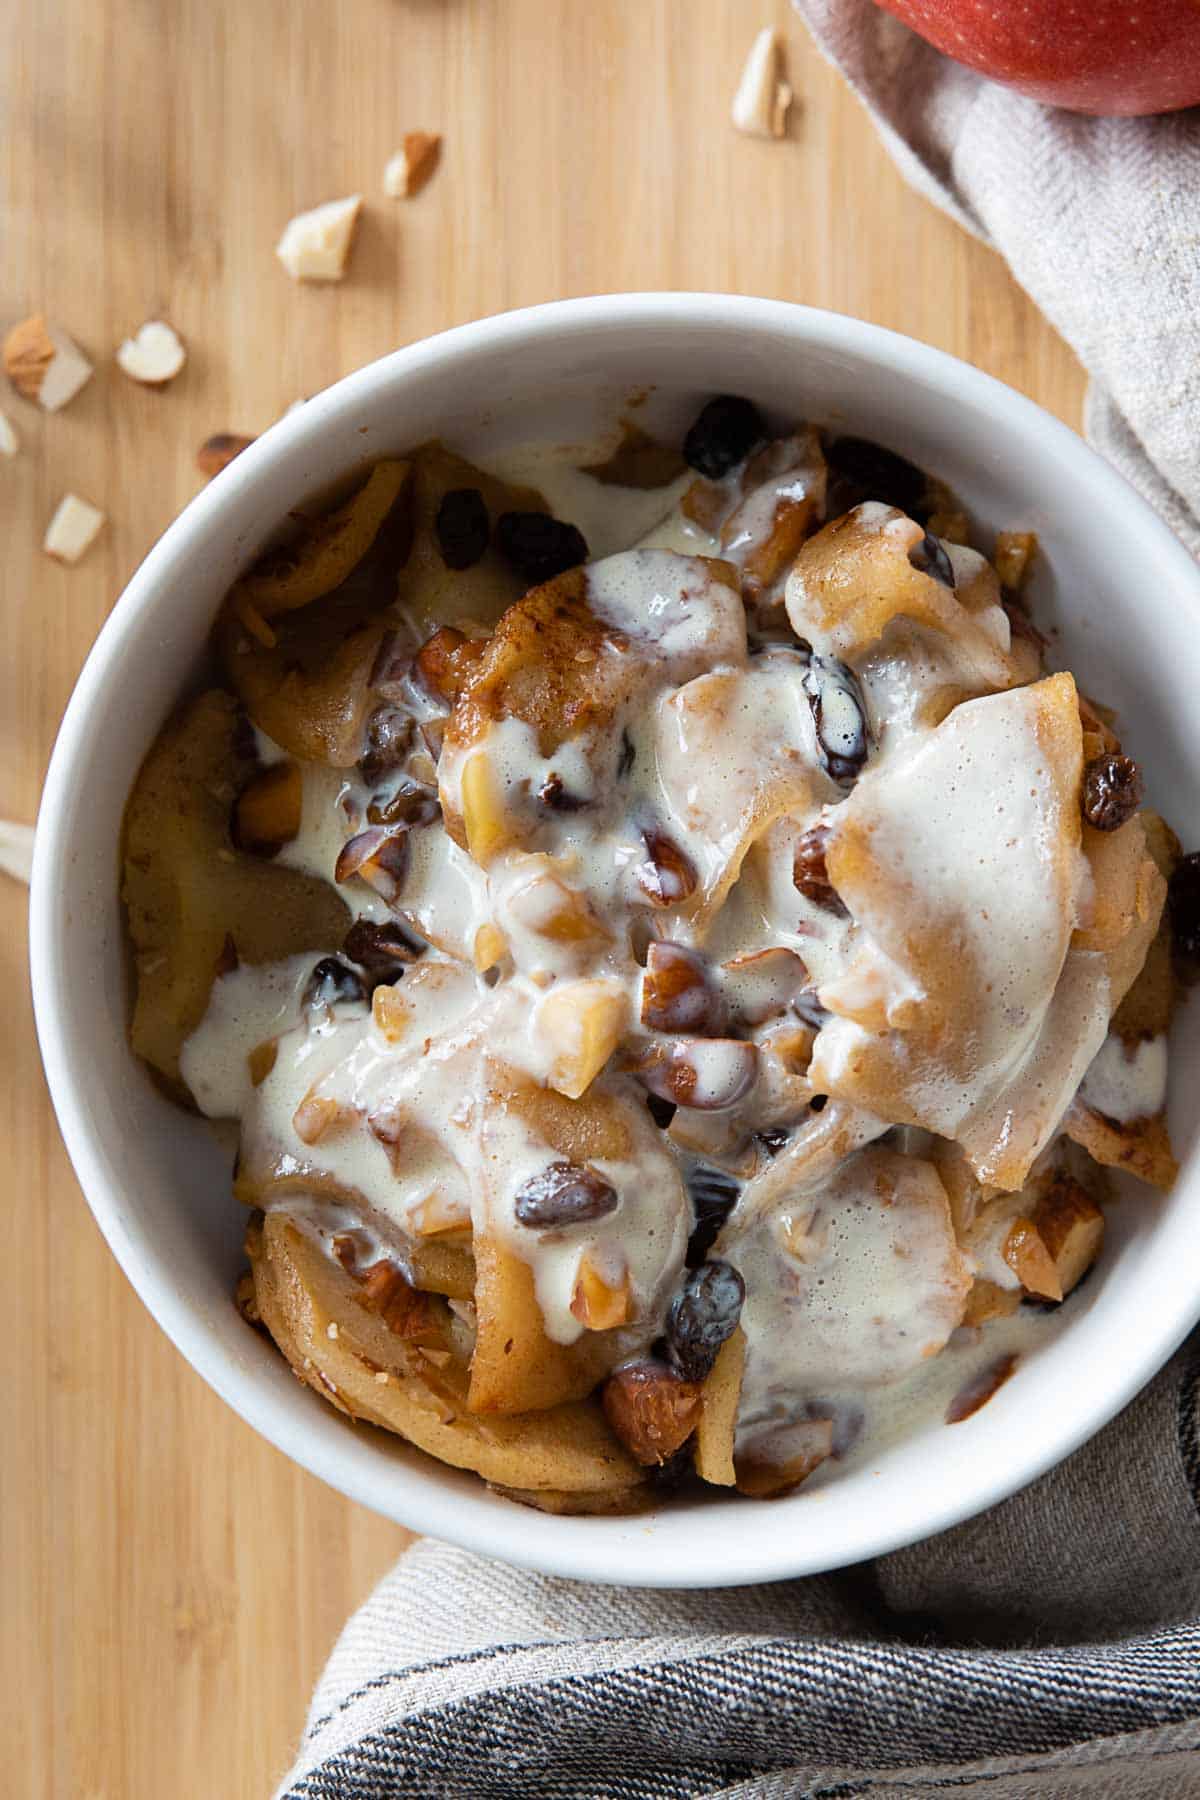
(316, 244)
(651, 1409)
(73, 529)
(44, 364)
(987, 1300)
(677, 994)
(490, 947)
(484, 817)
(704, 1073)
(379, 856)
(1013, 558)
(217, 452)
(155, 356)
(1071, 1226)
(596, 1303)
(413, 164)
(9, 442)
(402, 1307)
(390, 1014)
(261, 1061)
(1030, 1261)
(583, 1022)
(316, 1116)
(16, 850)
(266, 814)
(760, 105)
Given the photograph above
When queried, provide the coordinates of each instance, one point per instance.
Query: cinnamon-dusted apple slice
(190, 894)
(566, 663)
(804, 1255)
(784, 496)
(961, 866)
(752, 731)
(303, 666)
(341, 1345)
(875, 565)
(716, 1427)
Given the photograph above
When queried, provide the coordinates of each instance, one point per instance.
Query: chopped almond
(413, 164)
(73, 529)
(651, 1408)
(596, 1303)
(44, 364)
(16, 850)
(583, 1022)
(315, 245)
(154, 356)
(217, 452)
(1030, 1261)
(762, 100)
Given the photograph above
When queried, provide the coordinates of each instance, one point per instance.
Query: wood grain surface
(169, 1583)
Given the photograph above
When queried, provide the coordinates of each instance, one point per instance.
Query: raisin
(1112, 791)
(564, 1194)
(651, 1408)
(388, 736)
(627, 757)
(378, 949)
(555, 796)
(724, 433)
(714, 1195)
(660, 1110)
(810, 875)
(539, 547)
(408, 804)
(703, 1314)
(668, 875)
(819, 1102)
(839, 718)
(1183, 900)
(773, 1138)
(334, 983)
(861, 470)
(463, 527)
(929, 556)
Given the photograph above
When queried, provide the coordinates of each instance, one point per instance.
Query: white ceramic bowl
(1118, 584)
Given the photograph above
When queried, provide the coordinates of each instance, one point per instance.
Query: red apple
(1093, 56)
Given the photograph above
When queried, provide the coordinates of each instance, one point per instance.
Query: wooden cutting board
(170, 1584)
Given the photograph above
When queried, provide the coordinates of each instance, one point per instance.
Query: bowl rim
(479, 1523)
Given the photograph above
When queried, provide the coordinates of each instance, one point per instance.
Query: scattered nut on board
(16, 850)
(73, 529)
(44, 364)
(413, 164)
(154, 356)
(10, 443)
(217, 452)
(760, 105)
(316, 244)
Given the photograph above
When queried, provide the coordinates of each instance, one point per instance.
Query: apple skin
(1118, 57)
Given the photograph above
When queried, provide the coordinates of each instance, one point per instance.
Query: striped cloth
(1050, 1648)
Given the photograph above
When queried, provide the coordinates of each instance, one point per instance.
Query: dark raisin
(381, 950)
(334, 983)
(929, 556)
(388, 737)
(810, 875)
(714, 1195)
(861, 470)
(1112, 791)
(669, 1476)
(407, 804)
(539, 547)
(703, 1314)
(723, 435)
(564, 1194)
(773, 1138)
(668, 875)
(1183, 900)
(627, 757)
(556, 797)
(819, 1102)
(808, 1009)
(839, 718)
(463, 527)
(660, 1110)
